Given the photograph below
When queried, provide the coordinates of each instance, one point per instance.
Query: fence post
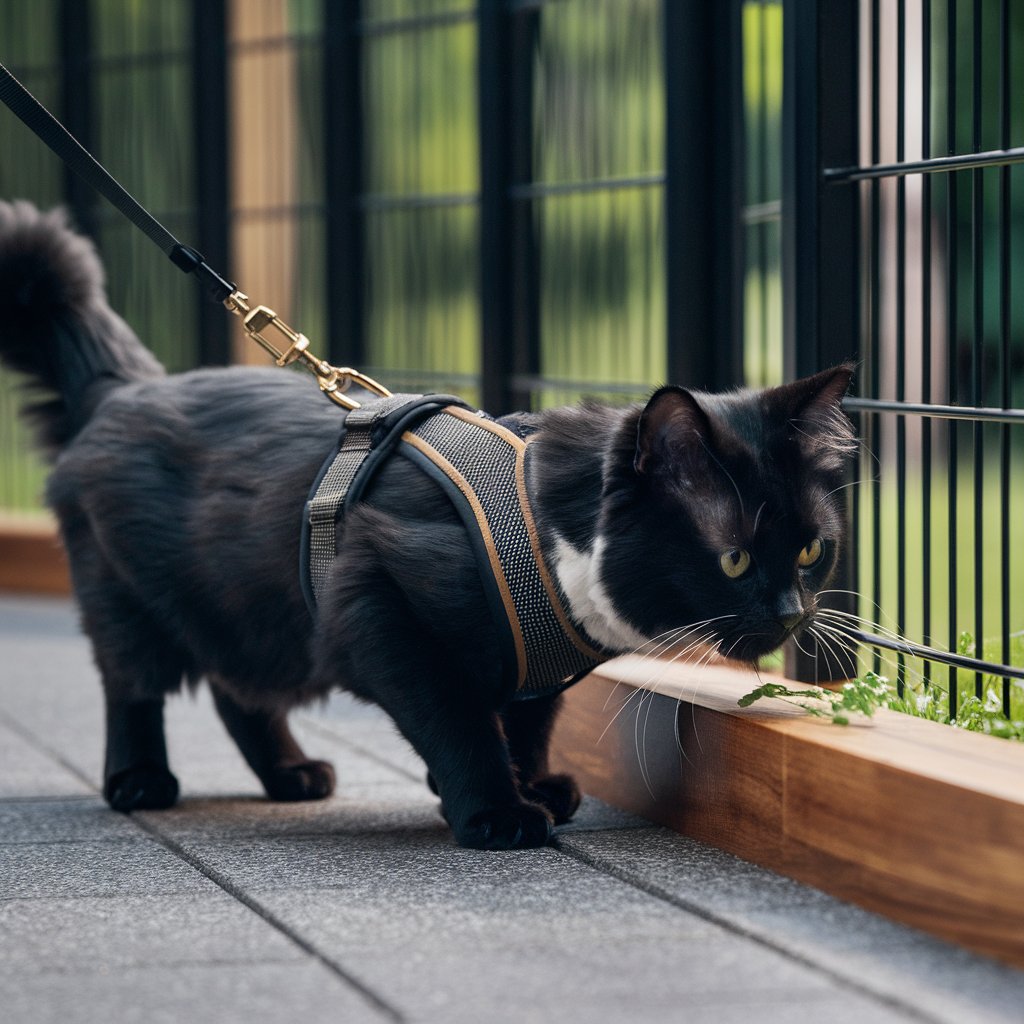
(508, 250)
(703, 187)
(74, 19)
(210, 121)
(343, 136)
(820, 238)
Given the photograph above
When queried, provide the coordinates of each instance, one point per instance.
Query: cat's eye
(734, 563)
(811, 554)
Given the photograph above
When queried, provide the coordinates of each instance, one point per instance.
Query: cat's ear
(813, 407)
(673, 430)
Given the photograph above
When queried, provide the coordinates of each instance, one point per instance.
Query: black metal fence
(920, 204)
(531, 200)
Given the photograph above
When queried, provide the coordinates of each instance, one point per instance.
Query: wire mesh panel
(420, 201)
(27, 171)
(940, 507)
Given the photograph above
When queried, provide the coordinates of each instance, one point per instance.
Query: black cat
(180, 501)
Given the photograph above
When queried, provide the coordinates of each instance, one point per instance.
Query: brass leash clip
(333, 380)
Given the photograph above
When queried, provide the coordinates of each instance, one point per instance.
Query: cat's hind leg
(528, 724)
(272, 752)
(138, 666)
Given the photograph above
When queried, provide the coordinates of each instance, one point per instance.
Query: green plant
(860, 698)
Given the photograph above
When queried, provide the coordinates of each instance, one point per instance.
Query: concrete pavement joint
(225, 883)
(338, 737)
(606, 867)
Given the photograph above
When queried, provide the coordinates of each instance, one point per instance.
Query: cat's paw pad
(144, 788)
(558, 793)
(519, 827)
(309, 780)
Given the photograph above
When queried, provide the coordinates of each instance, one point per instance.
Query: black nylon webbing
(50, 131)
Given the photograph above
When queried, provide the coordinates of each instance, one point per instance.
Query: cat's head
(728, 510)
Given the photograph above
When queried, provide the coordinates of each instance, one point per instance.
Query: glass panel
(602, 296)
(28, 170)
(420, 115)
(386, 10)
(257, 21)
(421, 298)
(599, 106)
(155, 299)
(123, 28)
(762, 111)
(29, 34)
(144, 133)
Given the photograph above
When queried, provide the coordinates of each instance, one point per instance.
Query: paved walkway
(228, 908)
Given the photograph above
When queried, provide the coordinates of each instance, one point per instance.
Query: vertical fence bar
(953, 339)
(820, 235)
(75, 21)
(496, 301)
(901, 339)
(509, 257)
(875, 344)
(210, 121)
(343, 156)
(703, 186)
(926, 331)
(978, 345)
(1005, 212)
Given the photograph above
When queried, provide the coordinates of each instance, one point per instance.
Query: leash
(334, 381)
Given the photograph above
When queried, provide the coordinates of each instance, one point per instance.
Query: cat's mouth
(751, 645)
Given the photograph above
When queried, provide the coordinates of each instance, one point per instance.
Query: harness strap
(332, 487)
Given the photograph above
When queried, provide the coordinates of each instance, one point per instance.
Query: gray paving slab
(106, 934)
(898, 963)
(63, 821)
(361, 907)
(214, 993)
(25, 771)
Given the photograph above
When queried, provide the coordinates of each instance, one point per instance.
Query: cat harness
(481, 466)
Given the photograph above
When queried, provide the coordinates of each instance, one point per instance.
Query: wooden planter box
(31, 557)
(909, 818)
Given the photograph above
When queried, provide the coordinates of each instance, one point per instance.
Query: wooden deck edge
(31, 557)
(908, 818)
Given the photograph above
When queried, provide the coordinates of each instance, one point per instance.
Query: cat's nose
(790, 610)
(788, 622)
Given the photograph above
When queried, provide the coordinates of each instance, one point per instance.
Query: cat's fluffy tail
(55, 324)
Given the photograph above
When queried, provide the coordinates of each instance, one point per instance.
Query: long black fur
(180, 502)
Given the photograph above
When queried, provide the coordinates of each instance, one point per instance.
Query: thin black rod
(939, 412)
(931, 654)
(926, 330)
(1005, 258)
(978, 343)
(952, 342)
(901, 334)
(874, 353)
(934, 165)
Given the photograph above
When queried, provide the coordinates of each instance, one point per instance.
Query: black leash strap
(260, 323)
(82, 162)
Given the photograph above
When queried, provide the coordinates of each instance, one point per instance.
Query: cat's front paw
(143, 788)
(310, 780)
(520, 827)
(558, 793)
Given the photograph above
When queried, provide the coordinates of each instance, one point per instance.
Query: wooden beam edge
(908, 818)
(32, 560)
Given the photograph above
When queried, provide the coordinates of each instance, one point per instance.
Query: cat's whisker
(828, 649)
(889, 658)
(653, 677)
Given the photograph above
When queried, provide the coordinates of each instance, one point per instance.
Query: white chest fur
(579, 576)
